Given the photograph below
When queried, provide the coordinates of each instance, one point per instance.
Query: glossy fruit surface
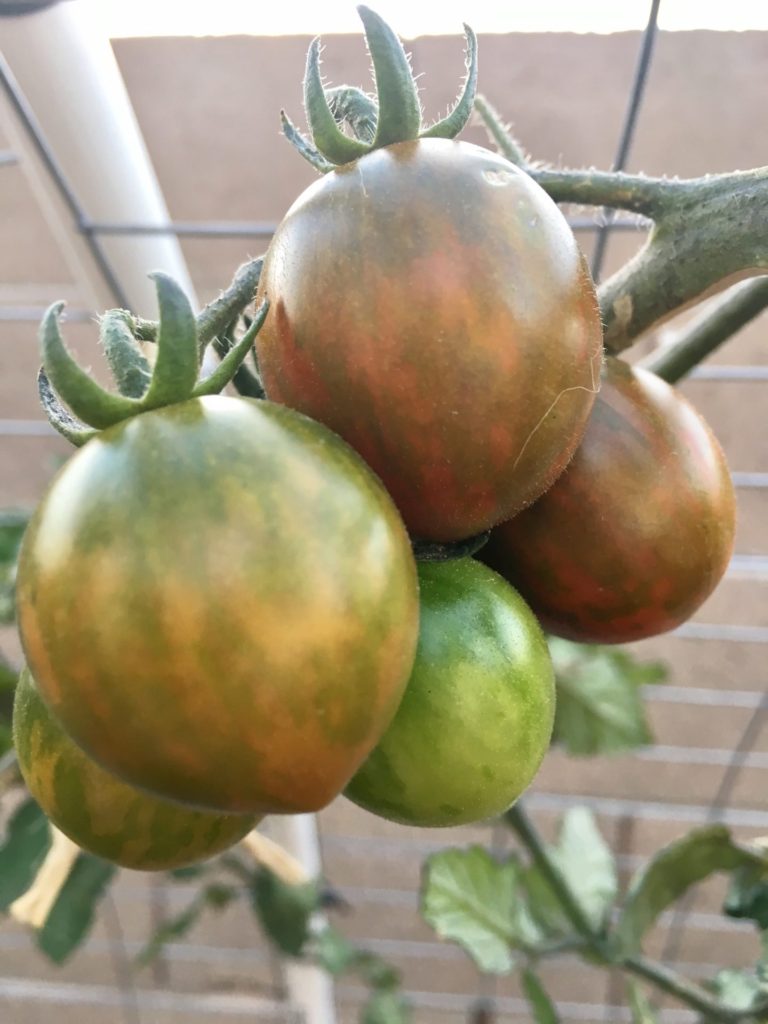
(99, 812)
(477, 715)
(637, 532)
(219, 602)
(429, 303)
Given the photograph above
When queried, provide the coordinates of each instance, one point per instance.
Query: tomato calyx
(433, 551)
(394, 115)
(78, 407)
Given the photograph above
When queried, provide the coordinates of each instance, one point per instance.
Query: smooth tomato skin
(219, 602)
(98, 811)
(429, 303)
(637, 532)
(476, 718)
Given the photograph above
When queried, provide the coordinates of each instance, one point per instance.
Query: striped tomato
(637, 532)
(219, 602)
(429, 303)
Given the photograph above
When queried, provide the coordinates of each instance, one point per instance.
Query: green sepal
(130, 367)
(350, 105)
(455, 120)
(399, 109)
(87, 399)
(231, 362)
(328, 138)
(303, 146)
(59, 418)
(178, 361)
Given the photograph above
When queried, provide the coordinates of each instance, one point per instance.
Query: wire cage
(601, 100)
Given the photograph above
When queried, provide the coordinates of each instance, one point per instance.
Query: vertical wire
(628, 129)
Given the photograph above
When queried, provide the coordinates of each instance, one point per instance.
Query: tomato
(429, 303)
(219, 602)
(637, 532)
(477, 715)
(100, 813)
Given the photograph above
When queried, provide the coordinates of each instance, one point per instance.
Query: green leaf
(542, 1007)
(13, 523)
(639, 1006)
(476, 901)
(284, 910)
(672, 871)
(587, 866)
(762, 963)
(739, 990)
(337, 955)
(173, 928)
(599, 704)
(747, 896)
(385, 1007)
(71, 916)
(27, 841)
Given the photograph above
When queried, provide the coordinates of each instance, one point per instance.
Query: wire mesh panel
(571, 99)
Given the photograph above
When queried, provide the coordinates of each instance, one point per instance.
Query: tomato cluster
(218, 597)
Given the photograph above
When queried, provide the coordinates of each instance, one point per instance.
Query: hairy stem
(689, 992)
(715, 326)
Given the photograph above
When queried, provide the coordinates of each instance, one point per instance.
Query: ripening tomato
(477, 714)
(429, 303)
(219, 602)
(637, 532)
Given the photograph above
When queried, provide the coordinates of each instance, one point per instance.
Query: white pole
(68, 74)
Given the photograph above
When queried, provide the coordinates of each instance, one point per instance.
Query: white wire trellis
(733, 762)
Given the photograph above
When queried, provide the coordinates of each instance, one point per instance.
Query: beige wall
(209, 112)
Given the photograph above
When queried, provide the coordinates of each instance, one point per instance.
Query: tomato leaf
(385, 1007)
(739, 990)
(587, 865)
(27, 841)
(478, 902)
(640, 1007)
(12, 526)
(542, 1007)
(747, 896)
(599, 701)
(284, 911)
(672, 871)
(71, 916)
(174, 928)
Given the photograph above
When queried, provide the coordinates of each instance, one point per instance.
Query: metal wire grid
(732, 761)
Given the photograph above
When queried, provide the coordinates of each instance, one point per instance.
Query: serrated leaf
(476, 901)
(588, 867)
(542, 1007)
(672, 871)
(599, 704)
(174, 928)
(385, 1007)
(12, 527)
(27, 841)
(747, 896)
(71, 916)
(285, 911)
(739, 990)
(640, 1008)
